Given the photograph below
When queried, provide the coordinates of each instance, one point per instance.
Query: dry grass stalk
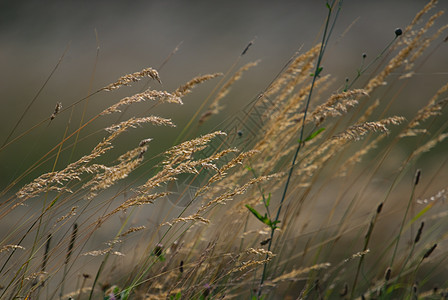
(132, 230)
(292, 111)
(57, 109)
(237, 191)
(195, 218)
(186, 149)
(131, 154)
(356, 255)
(357, 157)
(301, 76)
(214, 107)
(345, 261)
(336, 105)
(317, 158)
(102, 252)
(429, 145)
(431, 4)
(422, 44)
(181, 165)
(298, 77)
(221, 173)
(126, 80)
(292, 70)
(52, 181)
(71, 213)
(129, 161)
(133, 122)
(406, 75)
(247, 264)
(57, 181)
(146, 95)
(297, 272)
(226, 87)
(136, 201)
(439, 92)
(283, 124)
(180, 162)
(433, 108)
(422, 115)
(9, 247)
(425, 45)
(110, 176)
(36, 275)
(355, 132)
(186, 88)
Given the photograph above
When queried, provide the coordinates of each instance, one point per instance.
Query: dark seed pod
(379, 208)
(158, 250)
(181, 266)
(398, 32)
(388, 273)
(344, 290)
(264, 242)
(417, 176)
(428, 253)
(419, 233)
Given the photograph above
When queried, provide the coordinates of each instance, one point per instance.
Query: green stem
(325, 39)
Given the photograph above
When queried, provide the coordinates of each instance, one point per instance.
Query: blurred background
(132, 35)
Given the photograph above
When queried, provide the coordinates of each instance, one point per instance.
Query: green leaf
(394, 287)
(317, 74)
(328, 6)
(264, 218)
(313, 135)
(421, 213)
(176, 297)
(273, 224)
(268, 200)
(124, 295)
(257, 214)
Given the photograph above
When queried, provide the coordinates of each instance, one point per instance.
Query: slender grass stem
(302, 129)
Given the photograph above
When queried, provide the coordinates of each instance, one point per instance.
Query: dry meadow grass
(300, 196)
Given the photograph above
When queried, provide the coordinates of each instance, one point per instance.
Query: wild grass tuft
(317, 190)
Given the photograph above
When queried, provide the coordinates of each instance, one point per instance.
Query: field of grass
(314, 189)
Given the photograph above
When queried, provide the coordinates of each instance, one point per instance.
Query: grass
(314, 191)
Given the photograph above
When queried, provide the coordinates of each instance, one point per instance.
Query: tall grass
(302, 195)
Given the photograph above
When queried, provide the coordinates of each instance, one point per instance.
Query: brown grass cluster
(300, 197)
